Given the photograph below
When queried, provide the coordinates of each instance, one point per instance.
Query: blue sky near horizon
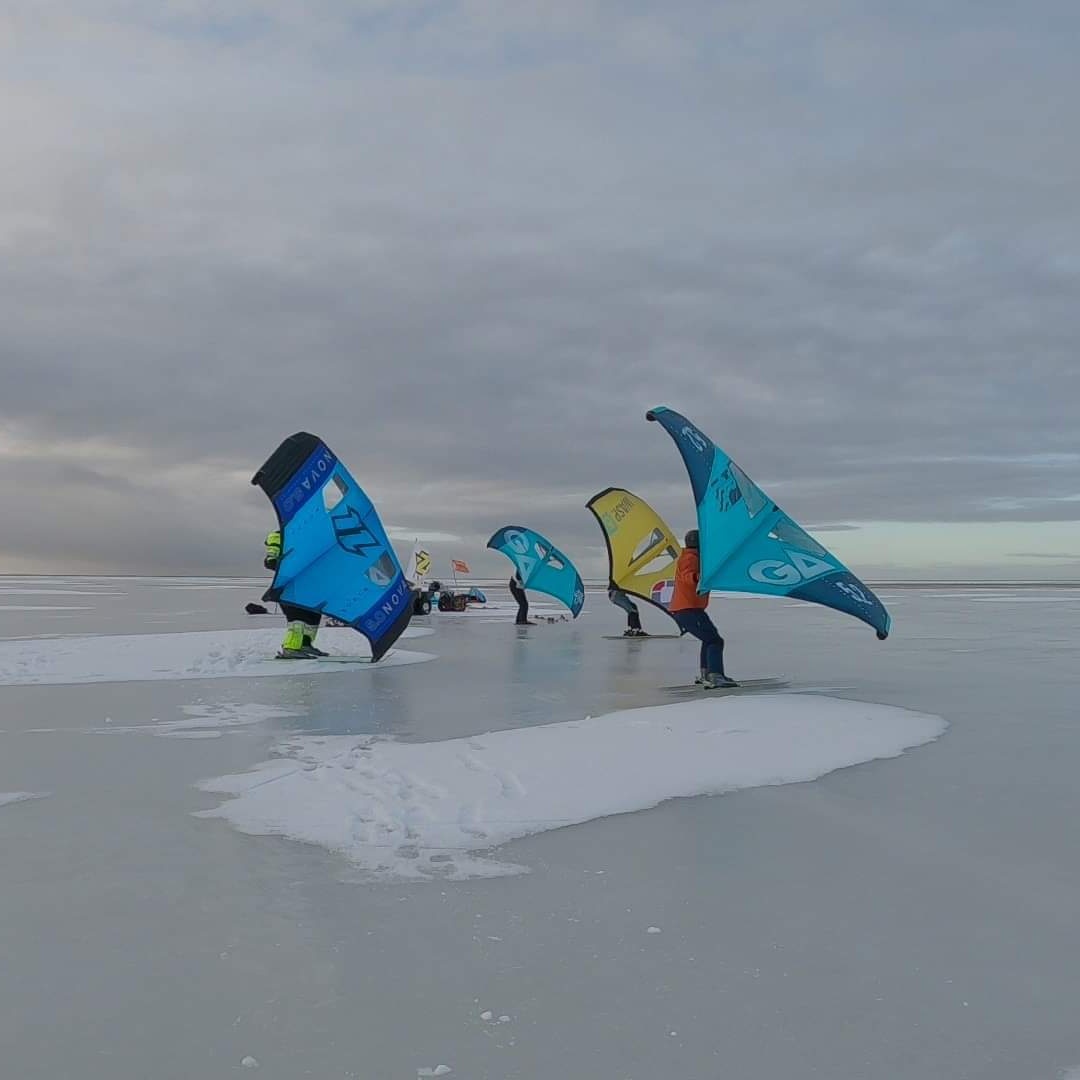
(470, 243)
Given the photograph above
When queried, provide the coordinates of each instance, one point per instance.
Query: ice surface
(501, 611)
(419, 810)
(213, 654)
(833, 928)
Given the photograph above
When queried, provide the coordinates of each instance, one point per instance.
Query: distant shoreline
(255, 581)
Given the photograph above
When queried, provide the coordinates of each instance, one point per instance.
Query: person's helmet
(692, 539)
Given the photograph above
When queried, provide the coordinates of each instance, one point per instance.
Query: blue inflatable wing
(748, 544)
(335, 555)
(541, 565)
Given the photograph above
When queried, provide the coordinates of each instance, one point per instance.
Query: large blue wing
(748, 544)
(336, 558)
(542, 566)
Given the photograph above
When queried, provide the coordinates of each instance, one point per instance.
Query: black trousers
(522, 599)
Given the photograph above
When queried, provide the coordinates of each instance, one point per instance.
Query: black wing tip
(389, 639)
(601, 494)
(882, 635)
(650, 415)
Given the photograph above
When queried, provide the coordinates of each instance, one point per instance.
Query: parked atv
(460, 601)
(425, 597)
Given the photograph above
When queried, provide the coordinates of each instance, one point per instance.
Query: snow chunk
(439, 1070)
(423, 810)
(9, 797)
(653, 930)
(206, 654)
(249, 1062)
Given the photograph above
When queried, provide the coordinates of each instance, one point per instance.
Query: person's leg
(713, 655)
(698, 623)
(311, 629)
(689, 623)
(522, 599)
(633, 619)
(292, 644)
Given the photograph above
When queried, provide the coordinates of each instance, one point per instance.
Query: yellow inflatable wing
(642, 550)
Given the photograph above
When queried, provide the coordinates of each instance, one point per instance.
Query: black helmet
(692, 539)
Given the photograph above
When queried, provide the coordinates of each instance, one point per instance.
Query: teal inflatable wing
(541, 565)
(748, 544)
(335, 555)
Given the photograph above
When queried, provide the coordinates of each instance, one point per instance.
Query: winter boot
(717, 680)
(309, 641)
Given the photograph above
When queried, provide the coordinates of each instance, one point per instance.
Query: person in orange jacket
(687, 608)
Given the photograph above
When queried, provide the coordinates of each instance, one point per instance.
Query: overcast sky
(471, 243)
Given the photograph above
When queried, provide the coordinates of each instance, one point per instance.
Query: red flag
(460, 567)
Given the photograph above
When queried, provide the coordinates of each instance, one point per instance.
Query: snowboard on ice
(642, 637)
(332, 659)
(746, 686)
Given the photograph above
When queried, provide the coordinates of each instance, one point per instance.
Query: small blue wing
(541, 565)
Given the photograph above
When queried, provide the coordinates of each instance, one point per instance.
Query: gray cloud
(470, 246)
(1057, 556)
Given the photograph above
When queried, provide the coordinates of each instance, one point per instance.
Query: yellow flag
(642, 550)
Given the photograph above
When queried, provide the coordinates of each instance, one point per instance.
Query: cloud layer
(471, 243)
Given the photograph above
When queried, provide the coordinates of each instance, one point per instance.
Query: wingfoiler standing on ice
(331, 556)
(539, 565)
(688, 610)
(301, 625)
(642, 553)
(517, 591)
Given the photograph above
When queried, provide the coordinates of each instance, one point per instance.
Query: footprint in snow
(512, 787)
(473, 763)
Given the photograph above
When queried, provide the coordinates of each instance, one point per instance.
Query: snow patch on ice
(426, 810)
(9, 797)
(203, 721)
(439, 1070)
(212, 654)
(41, 607)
